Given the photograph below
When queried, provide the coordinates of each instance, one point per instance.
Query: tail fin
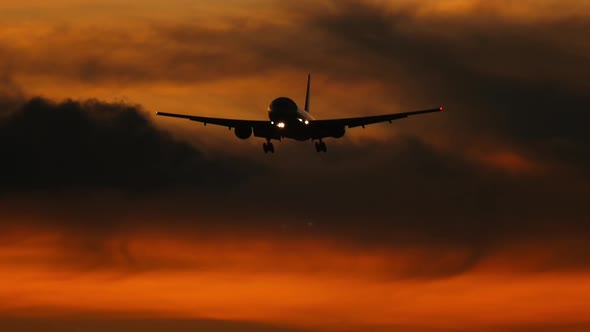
(307, 94)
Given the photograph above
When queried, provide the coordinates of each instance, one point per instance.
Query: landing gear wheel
(321, 146)
(268, 147)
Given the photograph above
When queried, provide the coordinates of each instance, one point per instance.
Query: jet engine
(243, 132)
(338, 132)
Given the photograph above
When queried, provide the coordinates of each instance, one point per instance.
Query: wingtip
(441, 108)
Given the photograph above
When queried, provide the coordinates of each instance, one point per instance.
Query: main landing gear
(321, 146)
(268, 147)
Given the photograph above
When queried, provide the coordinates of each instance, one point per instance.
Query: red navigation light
(441, 108)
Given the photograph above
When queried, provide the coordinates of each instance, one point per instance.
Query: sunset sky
(473, 219)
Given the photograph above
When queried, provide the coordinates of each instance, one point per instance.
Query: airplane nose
(283, 105)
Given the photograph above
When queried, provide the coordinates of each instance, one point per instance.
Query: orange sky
(306, 284)
(230, 59)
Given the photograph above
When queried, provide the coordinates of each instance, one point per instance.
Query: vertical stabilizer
(307, 94)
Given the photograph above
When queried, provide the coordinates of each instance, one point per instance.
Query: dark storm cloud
(92, 145)
(399, 195)
(407, 186)
(334, 37)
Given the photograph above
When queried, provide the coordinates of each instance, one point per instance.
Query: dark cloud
(91, 145)
(399, 196)
(521, 83)
(406, 185)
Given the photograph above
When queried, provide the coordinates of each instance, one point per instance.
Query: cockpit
(283, 105)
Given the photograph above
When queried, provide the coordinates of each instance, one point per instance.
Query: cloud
(400, 194)
(404, 198)
(91, 145)
(498, 77)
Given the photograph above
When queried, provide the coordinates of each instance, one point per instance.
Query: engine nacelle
(243, 132)
(339, 132)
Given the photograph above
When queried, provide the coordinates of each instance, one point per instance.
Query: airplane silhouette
(287, 120)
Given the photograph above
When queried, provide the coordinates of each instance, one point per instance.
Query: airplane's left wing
(261, 128)
(367, 120)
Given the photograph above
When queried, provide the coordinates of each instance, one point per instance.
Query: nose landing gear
(321, 146)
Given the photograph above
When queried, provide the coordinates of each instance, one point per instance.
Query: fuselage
(290, 120)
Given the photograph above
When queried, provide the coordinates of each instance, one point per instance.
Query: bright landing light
(281, 125)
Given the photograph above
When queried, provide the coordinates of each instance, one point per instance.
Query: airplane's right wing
(230, 123)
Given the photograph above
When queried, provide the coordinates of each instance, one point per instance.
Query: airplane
(287, 120)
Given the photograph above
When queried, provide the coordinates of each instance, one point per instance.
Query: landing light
(306, 122)
(281, 125)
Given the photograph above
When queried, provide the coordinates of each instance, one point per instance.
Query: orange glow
(521, 10)
(510, 161)
(314, 284)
